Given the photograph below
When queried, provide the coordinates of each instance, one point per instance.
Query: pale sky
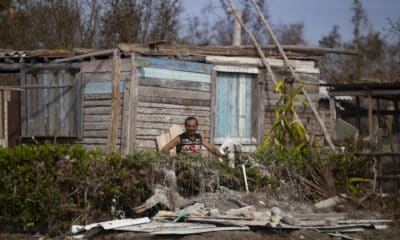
(318, 16)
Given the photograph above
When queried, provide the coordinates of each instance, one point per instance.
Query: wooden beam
(358, 114)
(213, 105)
(364, 93)
(332, 114)
(370, 120)
(115, 103)
(131, 96)
(244, 50)
(260, 113)
(28, 87)
(16, 67)
(87, 55)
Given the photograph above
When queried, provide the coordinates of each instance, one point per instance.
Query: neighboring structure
(73, 97)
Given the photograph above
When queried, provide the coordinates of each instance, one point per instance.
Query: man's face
(191, 127)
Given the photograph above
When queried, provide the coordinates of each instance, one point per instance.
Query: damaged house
(123, 99)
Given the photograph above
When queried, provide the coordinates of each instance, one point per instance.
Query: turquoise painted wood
(233, 105)
(102, 87)
(174, 75)
(185, 66)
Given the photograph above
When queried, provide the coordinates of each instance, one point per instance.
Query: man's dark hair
(190, 119)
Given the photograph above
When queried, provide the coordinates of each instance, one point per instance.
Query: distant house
(68, 96)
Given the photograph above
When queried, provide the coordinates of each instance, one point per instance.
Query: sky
(318, 16)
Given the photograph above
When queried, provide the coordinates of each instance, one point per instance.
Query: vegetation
(48, 187)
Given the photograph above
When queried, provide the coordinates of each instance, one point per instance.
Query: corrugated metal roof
(364, 85)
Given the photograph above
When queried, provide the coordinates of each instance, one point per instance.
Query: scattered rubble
(198, 219)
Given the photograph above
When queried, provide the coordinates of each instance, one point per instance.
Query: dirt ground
(393, 232)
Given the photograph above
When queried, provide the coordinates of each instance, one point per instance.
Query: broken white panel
(238, 69)
(110, 224)
(301, 66)
(160, 226)
(197, 231)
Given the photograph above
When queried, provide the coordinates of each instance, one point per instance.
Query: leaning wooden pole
(261, 54)
(286, 60)
(115, 103)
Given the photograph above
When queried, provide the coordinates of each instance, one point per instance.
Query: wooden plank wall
(169, 91)
(311, 85)
(49, 112)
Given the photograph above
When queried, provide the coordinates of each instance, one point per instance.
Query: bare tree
(292, 34)
(220, 31)
(140, 21)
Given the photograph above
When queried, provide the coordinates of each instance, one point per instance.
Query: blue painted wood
(247, 129)
(102, 87)
(180, 65)
(174, 74)
(227, 105)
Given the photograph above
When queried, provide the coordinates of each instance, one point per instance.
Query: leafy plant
(287, 131)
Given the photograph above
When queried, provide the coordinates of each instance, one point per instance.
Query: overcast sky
(318, 16)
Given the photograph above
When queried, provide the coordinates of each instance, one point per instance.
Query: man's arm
(212, 148)
(171, 145)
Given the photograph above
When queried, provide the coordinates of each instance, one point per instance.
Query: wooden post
(260, 106)
(129, 120)
(378, 111)
(396, 115)
(332, 114)
(115, 103)
(213, 105)
(370, 119)
(358, 114)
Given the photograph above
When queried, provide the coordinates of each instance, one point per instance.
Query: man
(190, 141)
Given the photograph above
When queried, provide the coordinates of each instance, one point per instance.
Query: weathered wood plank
(97, 133)
(303, 66)
(173, 111)
(97, 110)
(179, 65)
(95, 97)
(166, 126)
(99, 118)
(236, 69)
(130, 110)
(173, 93)
(104, 66)
(178, 119)
(175, 84)
(171, 106)
(176, 101)
(95, 125)
(146, 144)
(174, 75)
(102, 87)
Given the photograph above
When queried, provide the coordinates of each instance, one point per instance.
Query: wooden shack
(130, 95)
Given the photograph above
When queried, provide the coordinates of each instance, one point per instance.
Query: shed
(71, 96)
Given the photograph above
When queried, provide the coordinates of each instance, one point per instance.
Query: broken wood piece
(247, 212)
(342, 236)
(331, 221)
(109, 224)
(262, 216)
(197, 231)
(328, 203)
(289, 219)
(159, 226)
(320, 216)
(225, 222)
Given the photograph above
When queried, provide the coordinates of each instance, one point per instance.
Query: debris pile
(197, 219)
